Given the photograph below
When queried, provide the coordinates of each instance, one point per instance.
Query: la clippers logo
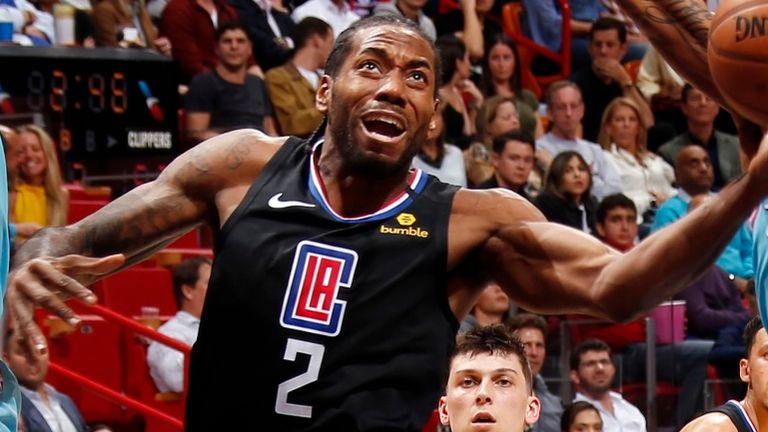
(312, 299)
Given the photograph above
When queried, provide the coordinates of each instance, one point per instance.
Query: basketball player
(490, 386)
(751, 414)
(346, 271)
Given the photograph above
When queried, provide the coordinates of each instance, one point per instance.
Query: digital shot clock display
(101, 105)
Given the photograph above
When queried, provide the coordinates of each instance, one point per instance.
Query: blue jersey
(10, 398)
(760, 241)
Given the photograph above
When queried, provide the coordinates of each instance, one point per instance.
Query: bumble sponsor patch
(406, 228)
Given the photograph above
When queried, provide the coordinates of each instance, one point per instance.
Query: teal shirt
(737, 255)
(10, 397)
(760, 243)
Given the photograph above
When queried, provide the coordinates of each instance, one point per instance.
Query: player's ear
(744, 370)
(533, 410)
(442, 410)
(323, 95)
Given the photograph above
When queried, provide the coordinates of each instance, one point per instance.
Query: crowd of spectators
(613, 154)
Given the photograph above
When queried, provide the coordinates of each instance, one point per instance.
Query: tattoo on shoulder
(236, 154)
(692, 15)
(199, 161)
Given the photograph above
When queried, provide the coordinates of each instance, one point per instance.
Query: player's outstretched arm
(550, 268)
(206, 182)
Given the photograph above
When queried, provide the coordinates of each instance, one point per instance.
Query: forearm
(472, 35)
(645, 109)
(136, 225)
(580, 28)
(674, 257)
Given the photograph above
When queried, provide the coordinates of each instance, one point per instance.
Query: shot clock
(102, 105)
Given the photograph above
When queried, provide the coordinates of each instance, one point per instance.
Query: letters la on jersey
(318, 274)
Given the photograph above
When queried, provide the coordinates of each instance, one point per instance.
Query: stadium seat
(511, 15)
(433, 423)
(80, 209)
(131, 291)
(92, 350)
(139, 384)
(190, 240)
(80, 192)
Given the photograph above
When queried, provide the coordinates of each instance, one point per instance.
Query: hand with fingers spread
(48, 282)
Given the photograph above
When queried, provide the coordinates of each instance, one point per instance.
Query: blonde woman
(40, 194)
(646, 178)
(497, 115)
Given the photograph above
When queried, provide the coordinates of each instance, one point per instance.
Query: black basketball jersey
(317, 322)
(738, 416)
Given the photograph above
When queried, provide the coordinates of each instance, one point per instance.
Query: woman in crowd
(646, 177)
(497, 115)
(567, 197)
(443, 160)
(581, 416)
(40, 194)
(460, 95)
(502, 76)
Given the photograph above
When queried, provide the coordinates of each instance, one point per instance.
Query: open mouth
(384, 127)
(483, 417)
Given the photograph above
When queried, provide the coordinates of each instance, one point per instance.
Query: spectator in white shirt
(337, 13)
(566, 110)
(593, 371)
(646, 178)
(190, 283)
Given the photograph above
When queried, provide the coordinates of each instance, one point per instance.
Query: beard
(356, 159)
(592, 388)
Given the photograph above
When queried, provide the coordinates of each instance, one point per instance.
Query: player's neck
(352, 193)
(757, 413)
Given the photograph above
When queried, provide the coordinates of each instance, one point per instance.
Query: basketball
(738, 56)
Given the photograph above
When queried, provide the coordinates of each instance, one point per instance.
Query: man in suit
(723, 149)
(43, 408)
(292, 86)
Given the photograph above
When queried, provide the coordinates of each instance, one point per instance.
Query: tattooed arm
(205, 183)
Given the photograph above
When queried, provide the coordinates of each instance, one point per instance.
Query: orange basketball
(738, 56)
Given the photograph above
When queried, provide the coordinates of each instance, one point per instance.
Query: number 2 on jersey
(315, 353)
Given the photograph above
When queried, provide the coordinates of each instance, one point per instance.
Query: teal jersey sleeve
(760, 258)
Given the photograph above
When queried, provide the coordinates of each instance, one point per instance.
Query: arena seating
(528, 49)
(92, 350)
(133, 289)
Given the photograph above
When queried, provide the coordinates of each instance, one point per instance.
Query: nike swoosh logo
(276, 203)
